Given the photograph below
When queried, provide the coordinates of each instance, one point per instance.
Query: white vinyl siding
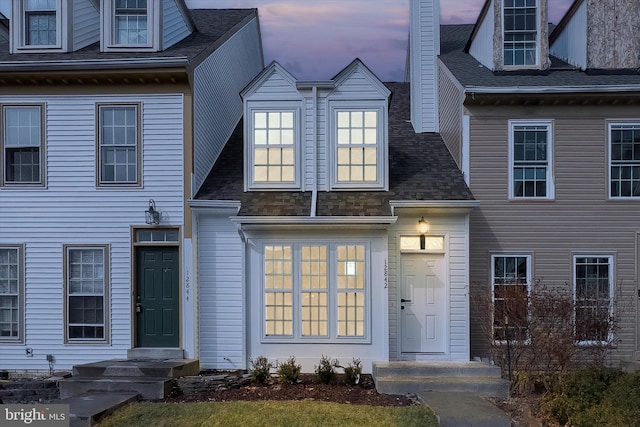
(571, 44)
(217, 82)
(624, 160)
(11, 294)
(482, 44)
(71, 210)
(174, 27)
(531, 160)
(22, 145)
(86, 24)
(593, 297)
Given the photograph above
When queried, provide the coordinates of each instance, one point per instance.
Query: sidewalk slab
(464, 410)
(87, 409)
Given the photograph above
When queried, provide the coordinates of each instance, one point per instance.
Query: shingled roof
(420, 169)
(212, 28)
(470, 73)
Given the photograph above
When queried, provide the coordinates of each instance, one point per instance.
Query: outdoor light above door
(423, 228)
(151, 215)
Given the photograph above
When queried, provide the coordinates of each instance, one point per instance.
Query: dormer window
(520, 33)
(40, 21)
(130, 20)
(274, 147)
(359, 145)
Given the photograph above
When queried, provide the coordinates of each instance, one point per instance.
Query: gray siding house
(99, 130)
(546, 129)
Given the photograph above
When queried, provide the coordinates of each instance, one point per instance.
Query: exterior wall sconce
(151, 215)
(423, 227)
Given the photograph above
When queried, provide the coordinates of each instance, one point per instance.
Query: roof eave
(478, 90)
(96, 64)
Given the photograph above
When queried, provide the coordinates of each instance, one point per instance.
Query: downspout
(314, 121)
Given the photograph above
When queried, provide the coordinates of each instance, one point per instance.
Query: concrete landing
(464, 410)
(87, 409)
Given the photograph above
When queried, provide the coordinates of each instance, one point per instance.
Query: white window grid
(357, 146)
(531, 159)
(10, 288)
(593, 297)
(624, 159)
(130, 22)
(40, 22)
(520, 32)
(23, 142)
(274, 146)
(510, 275)
(119, 144)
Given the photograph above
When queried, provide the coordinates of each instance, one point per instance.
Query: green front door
(157, 312)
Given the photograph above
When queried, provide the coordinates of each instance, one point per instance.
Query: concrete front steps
(151, 378)
(415, 377)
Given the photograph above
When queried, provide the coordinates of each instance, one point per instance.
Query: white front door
(423, 304)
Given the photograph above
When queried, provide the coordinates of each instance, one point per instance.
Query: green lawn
(268, 413)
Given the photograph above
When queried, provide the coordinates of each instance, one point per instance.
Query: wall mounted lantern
(151, 215)
(423, 227)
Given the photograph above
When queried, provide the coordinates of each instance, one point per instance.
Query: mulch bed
(308, 388)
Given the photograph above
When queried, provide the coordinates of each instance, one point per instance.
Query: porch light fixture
(151, 215)
(423, 227)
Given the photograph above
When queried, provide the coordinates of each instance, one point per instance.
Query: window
(130, 22)
(86, 292)
(520, 32)
(11, 289)
(531, 160)
(273, 147)
(593, 281)
(40, 22)
(22, 145)
(511, 278)
(315, 291)
(119, 145)
(624, 146)
(359, 146)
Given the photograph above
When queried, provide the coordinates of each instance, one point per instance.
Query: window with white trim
(86, 293)
(520, 33)
(119, 145)
(273, 149)
(624, 160)
(359, 146)
(130, 22)
(22, 145)
(530, 157)
(40, 22)
(315, 291)
(511, 281)
(593, 290)
(11, 294)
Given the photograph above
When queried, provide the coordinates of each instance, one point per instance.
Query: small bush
(326, 370)
(260, 369)
(352, 372)
(289, 371)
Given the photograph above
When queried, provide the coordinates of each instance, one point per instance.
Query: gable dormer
(143, 25)
(327, 135)
(511, 35)
(53, 25)
(602, 34)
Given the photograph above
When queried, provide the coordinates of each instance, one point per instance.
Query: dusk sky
(315, 39)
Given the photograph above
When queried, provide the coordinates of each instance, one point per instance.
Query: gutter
(475, 90)
(305, 220)
(95, 64)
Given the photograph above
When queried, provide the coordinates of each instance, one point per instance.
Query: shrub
(289, 371)
(260, 369)
(326, 370)
(352, 372)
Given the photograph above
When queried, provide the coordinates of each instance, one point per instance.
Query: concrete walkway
(85, 410)
(464, 410)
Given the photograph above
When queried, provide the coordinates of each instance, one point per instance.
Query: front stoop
(152, 379)
(405, 377)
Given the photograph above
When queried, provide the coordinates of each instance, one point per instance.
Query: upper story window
(273, 148)
(130, 22)
(530, 156)
(359, 148)
(624, 158)
(40, 19)
(520, 32)
(22, 145)
(119, 152)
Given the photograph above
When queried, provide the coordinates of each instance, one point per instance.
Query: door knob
(138, 308)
